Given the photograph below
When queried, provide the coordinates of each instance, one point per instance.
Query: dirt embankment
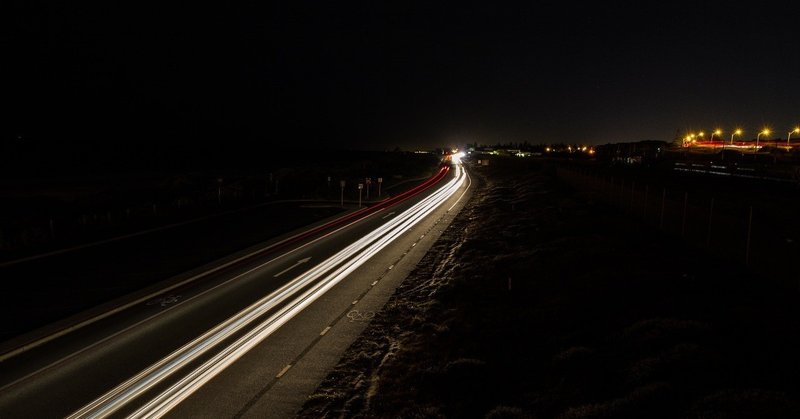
(537, 303)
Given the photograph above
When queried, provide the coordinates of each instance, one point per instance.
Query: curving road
(162, 352)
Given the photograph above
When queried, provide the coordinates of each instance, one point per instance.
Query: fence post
(685, 203)
(710, 218)
(611, 189)
(646, 192)
(663, 200)
(749, 232)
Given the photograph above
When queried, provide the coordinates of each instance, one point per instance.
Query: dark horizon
(232, 80)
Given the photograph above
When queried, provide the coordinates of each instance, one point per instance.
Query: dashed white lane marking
(283, 371)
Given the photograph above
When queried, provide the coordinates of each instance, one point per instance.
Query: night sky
(228, 79)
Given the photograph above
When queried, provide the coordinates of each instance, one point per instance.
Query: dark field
(195, 222)
(741, 220)
(540, 301)
(71, 205)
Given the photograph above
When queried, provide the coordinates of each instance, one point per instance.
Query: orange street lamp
(716, 132)
(765, 132)
(796, 130)
(737, 132)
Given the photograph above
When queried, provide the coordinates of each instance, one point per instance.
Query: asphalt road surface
(249, 336)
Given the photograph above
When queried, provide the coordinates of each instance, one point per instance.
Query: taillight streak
(303, 290)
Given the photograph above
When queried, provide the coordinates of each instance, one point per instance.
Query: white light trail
(301, 291)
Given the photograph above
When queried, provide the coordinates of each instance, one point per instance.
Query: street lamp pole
(766, 131)
(737, 132)
(722, 153)
(380, 180)
(790, 136)
(360, 187)
(717, 133)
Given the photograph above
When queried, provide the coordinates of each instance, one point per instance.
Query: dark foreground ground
(538, 303)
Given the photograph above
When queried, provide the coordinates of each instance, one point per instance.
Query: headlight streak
(358, 253)
(275, 246)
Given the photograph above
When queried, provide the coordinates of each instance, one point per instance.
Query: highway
(151, 356)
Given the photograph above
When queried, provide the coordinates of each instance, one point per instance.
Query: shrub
(507, 412)
(746, 404)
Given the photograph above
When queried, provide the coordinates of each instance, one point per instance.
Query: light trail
(301, 291)
(462, 193)
(352, 217)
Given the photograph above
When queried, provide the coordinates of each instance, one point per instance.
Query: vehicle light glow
(296, 294)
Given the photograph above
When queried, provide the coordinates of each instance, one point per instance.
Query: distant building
(633, 153)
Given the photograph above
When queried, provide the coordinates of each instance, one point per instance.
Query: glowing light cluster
(696, 140)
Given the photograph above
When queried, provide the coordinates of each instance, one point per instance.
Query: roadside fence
(760, 236)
